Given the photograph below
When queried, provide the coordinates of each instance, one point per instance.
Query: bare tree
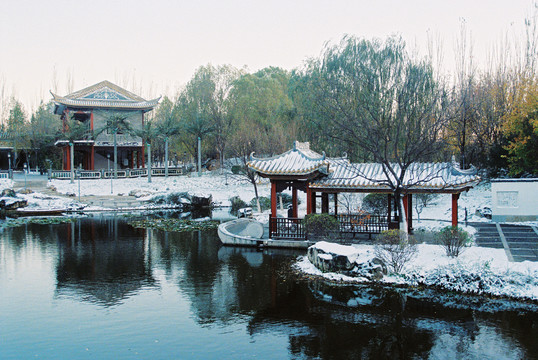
(383, 102)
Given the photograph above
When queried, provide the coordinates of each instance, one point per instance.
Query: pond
(98, 288)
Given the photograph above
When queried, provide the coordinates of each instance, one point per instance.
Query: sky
(154, 47)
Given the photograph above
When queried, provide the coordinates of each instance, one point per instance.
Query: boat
(35, 212)
(250, 232)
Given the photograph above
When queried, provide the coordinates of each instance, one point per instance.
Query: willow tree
(378, 99)
(203, 107)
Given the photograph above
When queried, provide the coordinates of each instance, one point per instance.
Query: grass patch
(176, 225)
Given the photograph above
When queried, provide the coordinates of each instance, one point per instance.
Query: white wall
(514, 199)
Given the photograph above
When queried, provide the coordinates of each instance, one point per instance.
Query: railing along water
(123, 173)
(286, 228)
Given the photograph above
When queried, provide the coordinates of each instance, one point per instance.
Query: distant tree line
(371, 99)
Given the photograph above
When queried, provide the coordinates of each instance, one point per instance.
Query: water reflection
(102, 261)
(197, 297)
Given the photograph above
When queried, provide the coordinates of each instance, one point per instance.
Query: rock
(13, 205)
(8, 193)
(201, 201)
(25, 191)
(138, 193)
(52, 188)
(346, 260)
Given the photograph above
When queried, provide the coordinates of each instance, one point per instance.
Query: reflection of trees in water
(222, 283)
(44, 237)
(102, 261)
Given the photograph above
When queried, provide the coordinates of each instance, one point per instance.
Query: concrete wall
(514, 199)
(100, 118)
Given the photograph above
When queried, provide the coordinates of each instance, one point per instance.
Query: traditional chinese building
(94, 106)
(320, 178)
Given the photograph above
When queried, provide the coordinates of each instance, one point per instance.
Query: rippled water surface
(98, 288)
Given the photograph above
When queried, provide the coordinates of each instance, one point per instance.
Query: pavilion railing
(293, 228)
(362, 223)
(122, 173)
(286, 228)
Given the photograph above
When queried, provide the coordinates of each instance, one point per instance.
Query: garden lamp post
(9, 163)
(24, 166)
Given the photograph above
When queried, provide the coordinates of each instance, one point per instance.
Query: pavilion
(320, 177)
(92, 106)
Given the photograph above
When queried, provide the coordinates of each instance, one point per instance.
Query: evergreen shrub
(321, 226)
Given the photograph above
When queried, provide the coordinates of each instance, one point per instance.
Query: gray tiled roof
(420, 176)
(341, 174)
(295, 162)
(105, 95)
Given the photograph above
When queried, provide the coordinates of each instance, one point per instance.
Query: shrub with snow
(395, 248)
(453, 240)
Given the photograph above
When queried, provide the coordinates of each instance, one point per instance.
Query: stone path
(519, 241)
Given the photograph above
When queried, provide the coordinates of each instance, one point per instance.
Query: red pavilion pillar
(294, 202)
(273, 199)
(455, 198)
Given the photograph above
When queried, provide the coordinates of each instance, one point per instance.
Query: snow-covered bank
(478, 270)
(220, 187)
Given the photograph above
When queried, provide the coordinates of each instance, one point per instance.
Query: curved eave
(303, 172)
(449, 188)
(103, 104)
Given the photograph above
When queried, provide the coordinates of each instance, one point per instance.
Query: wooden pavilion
(93, 106)
(320, 177)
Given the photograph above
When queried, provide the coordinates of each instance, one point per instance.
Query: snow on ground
(478, 271)
(220, 187)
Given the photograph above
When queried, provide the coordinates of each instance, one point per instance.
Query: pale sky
(154, 47)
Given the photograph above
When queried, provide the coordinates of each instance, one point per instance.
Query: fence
(362, 223)
(293, 228)
(286, 228)
(107, 174)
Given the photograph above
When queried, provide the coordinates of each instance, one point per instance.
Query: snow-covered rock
(335, 258)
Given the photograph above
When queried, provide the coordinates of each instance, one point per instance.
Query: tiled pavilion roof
(339, 174)
(420, 177)
(105, 95)
(299, 161)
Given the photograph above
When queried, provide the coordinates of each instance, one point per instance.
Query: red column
(294, 201)
(273, 199)
(67, 157)
(313, 201)
(455, 198)
(91, 121)
(308, 199)
(405, 208)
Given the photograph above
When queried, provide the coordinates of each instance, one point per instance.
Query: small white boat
(249, 232)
